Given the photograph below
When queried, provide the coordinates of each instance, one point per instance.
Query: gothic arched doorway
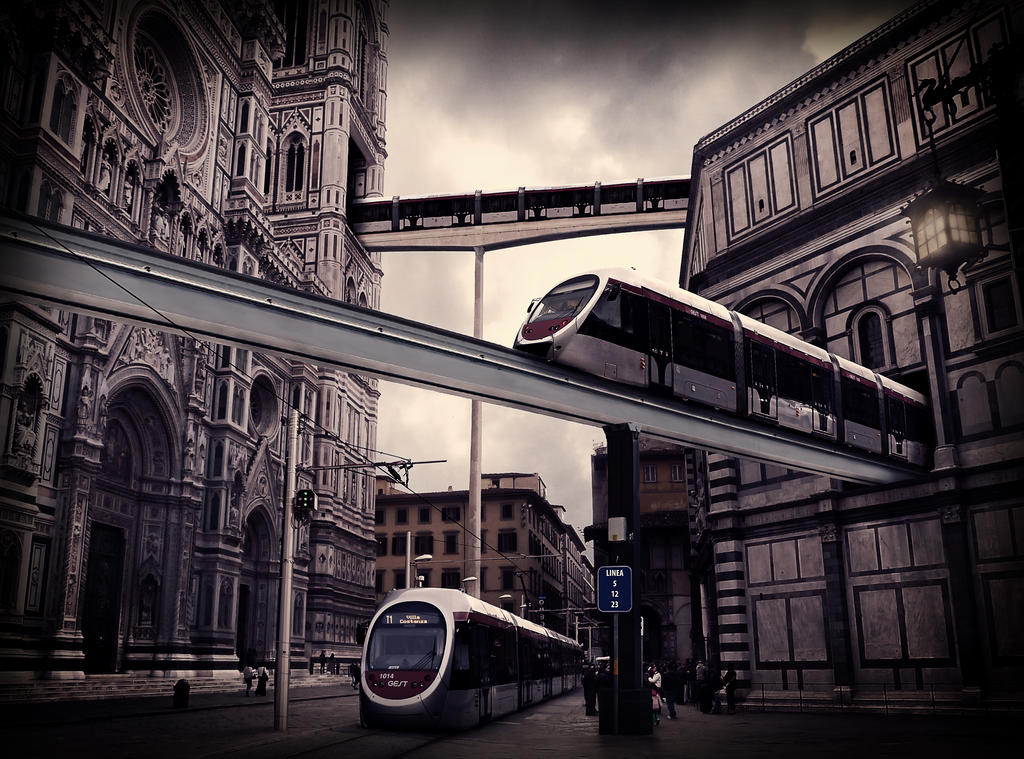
(257, 590)
(101, 609)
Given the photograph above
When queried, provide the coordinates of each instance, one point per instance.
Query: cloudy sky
(498, 95)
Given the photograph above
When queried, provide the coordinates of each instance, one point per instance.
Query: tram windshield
(565, 300)
(408, 635)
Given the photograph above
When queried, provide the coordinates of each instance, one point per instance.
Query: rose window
(153, 85)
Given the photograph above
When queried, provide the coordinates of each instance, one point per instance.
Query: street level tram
(615, 324)
(436, 658)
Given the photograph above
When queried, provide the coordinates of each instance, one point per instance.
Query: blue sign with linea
(615, 589)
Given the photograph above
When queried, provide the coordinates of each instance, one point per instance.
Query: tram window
(895, 412)
(565, 301)
(794, 377)
(821, 391)
(407, 636)
(702, 346)
(860, 403)
(619, 318)
(761, 368)
(464, 674)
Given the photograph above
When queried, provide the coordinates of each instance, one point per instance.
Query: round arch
(776, 294)
(824, 282)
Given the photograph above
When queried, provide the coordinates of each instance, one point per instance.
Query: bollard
(885, 697)
(181, 689)
(762, 697)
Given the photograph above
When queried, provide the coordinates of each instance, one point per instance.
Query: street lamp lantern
(464, 580)
(946, 224)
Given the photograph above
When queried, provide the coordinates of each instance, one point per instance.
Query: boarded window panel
(782, 175)
(863, 554)
(1007, 596)
(880, 624)
(784, 560)
(851, 152)
(823, 148)
(737, 181)
(772, 630)
(759, 187)
(975, 411)
(879, 131)
(925, 610)
(926, 539)
(808, 629)
(759, 568)
(894, 546)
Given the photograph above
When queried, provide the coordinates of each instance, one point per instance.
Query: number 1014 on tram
(440, 658)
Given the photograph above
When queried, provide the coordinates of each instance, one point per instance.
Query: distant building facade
(143, 472)
(669, 599)
(527, 551)
(797, 219)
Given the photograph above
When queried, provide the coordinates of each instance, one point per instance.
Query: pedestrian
(353, 672)
(715, 689)
(689, 674)
(656, 706)
(703, 687)
(672, 683)
(654, 678)
(729, 681)
(261, 681)
(323, 660)
(590, 691)
(330, 665)
(247, 678)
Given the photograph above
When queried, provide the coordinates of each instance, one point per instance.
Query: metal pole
(472, 549)
(615, 674)
(284, 611)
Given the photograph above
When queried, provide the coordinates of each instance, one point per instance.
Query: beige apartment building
(531, 561)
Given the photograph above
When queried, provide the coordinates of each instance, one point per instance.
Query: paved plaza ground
(323, 722)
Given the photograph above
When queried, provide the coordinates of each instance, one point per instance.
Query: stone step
(95, 687)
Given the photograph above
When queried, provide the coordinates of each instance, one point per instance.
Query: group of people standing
(692, 683)
(671, 684)
(260, 675)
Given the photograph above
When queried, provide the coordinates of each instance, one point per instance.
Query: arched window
(296, 159)
(240, 163)
(149, 592)
(131, 188)
(297, 621)
(972, 400)
(266, 170)
(213, 512)
(294, 15)
(217, 469)
(88, 145)
(62, 111)
(243, 121)
(871, 348)
(224, 604)
(222, 401)
(50, 202)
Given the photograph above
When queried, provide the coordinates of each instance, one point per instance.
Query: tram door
(482, 644)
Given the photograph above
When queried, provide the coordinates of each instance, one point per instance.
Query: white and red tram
(440, 658)
(615, 324)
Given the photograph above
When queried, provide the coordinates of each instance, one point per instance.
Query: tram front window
(565, 300)
(407, 636)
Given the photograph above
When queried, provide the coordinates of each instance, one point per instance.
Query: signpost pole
(615, 675)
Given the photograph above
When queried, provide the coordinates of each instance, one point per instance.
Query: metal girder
(80, 271)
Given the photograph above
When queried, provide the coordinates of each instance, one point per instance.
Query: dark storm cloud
(647, 79)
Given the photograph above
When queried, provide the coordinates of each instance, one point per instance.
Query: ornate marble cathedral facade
(141, 472)
(798, 220)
